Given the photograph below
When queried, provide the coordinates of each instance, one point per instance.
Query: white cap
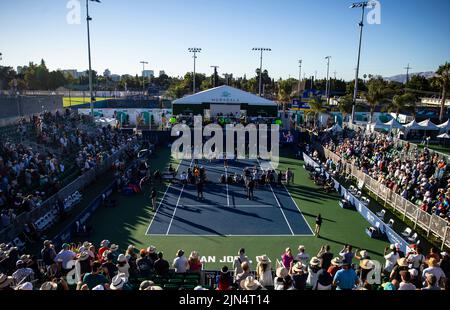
(99, 288)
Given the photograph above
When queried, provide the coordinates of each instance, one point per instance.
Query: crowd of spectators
(422, 177)
(28, 175)
(85, 267)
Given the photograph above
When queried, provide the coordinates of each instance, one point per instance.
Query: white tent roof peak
(428, 125)
(445, 125)
(413, 126)
(393, 123)
(224, 95)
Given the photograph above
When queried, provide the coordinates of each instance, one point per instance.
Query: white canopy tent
(445, 126)
(413, 126)
(378, 125)
(394, 124)
(335, 128)
(444, 136)
(428, 125)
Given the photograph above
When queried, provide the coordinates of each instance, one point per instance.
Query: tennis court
(225, 210)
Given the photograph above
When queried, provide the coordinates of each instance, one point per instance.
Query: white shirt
(436, 271)
(303, 257)
(391, 260)
(180, 264)
(406, 286)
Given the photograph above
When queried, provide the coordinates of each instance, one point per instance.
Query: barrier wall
(12, 107)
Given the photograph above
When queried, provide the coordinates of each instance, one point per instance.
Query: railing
(12, 231)
(429, 223)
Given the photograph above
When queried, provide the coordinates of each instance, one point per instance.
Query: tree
(443, 81)
(7, 74)
(418, 82)
(316, 107)
(345, 105)
(375, 95)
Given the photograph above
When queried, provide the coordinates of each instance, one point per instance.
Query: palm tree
(401, 102)
(443, 81)
(316, 107)
(375, 95)
(345, 105)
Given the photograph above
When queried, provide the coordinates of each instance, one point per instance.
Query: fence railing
(430, 223)
(16, 228)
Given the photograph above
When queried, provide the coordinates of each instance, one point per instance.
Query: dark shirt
(324, 278)
(300, 281)
(326, 259)
(112, 269)
(161, 266)
(48, 256)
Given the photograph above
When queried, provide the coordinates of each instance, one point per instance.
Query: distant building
(149, 73)
(115, 77)
(74, 73)
(107, 73)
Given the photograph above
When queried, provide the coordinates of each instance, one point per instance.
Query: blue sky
(160, 31)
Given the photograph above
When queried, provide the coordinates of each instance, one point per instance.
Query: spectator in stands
(237, 265)
(180, 263)
(23, 273)
(324, 280)
(336, 264)
(319, 221)
(194, 262)
(122, 265)
(264, 271)
(250, 284)
(144, 264)
(120, 283)
(325, 256)
(299, 276)
(95, 277)
(48, 254)
(347, 254)
(401, 265)
(346, 278)
(224, 280)
(109, 268)
(287, 259)
(302, 256)
(313, 269)
(104, 246)
(153, 197)
(152, 254)
(430, 283)
(6, 282)
(244, 274)
(161, 265)
(405, 284)
(114, 250)
(436, 271)
(391, 258)
(83, 263)
(65, 257)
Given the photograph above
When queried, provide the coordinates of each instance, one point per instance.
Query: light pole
(299, 77)
(327, 87)
(215, 82)
(361, 5)
(407, 72)
(143, 77)
(88, 19)
(261, 49)
(194, 50)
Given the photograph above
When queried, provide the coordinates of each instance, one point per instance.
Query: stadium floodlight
(299, 76)
(261, 49)
(143, 77)
(88, 19)
(363, 6)
(194, 50)
(327, 87)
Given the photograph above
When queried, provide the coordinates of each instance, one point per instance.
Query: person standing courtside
(153, 196)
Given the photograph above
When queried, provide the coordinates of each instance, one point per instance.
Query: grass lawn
(74, 101)
(127, 224)
(437, 147)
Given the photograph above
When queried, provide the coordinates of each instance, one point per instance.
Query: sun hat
(301, 247)
(200, 288)
(145, 285)
(250, 284)
(104, 243)
(281, 272)
(47, 242)
(99, 288)
(27, 286)
(5, 281)
(83, 256)
(154, 288)
(118, 281)
(114, 247)
(49, 286)
(367, 264)
(298, 267)
(402, 262)
(121, 259)
(151, 249)
(337, 261)
(392, 246)
(264, 259)
(314, 261)
(363, 254)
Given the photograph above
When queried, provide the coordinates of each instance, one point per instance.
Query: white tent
(335, 128)
(413, 126)
(445, 126)
(428, 125)
(394, 124)
(444, 136)
(378, 125)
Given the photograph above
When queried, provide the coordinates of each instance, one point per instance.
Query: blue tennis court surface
(225, 210)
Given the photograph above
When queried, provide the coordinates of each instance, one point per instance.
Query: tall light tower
(261, 49)
(407, 73)
(143, 77)
(88, 19)
(327, 87)
(299, 76)
(363, 6)
(194, 50)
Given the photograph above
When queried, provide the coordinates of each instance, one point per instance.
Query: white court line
(160, 202)
(224, 206)
(226, 182)
(279, 205)
(300, 211)
(221, 236)
(178, 201)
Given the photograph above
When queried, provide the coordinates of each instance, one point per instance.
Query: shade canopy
(428, 125)
(445, 126)
(394, 124)
(444, 136)
(335, 128)
(413, 126)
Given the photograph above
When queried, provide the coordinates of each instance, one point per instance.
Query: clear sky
(125, 32)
